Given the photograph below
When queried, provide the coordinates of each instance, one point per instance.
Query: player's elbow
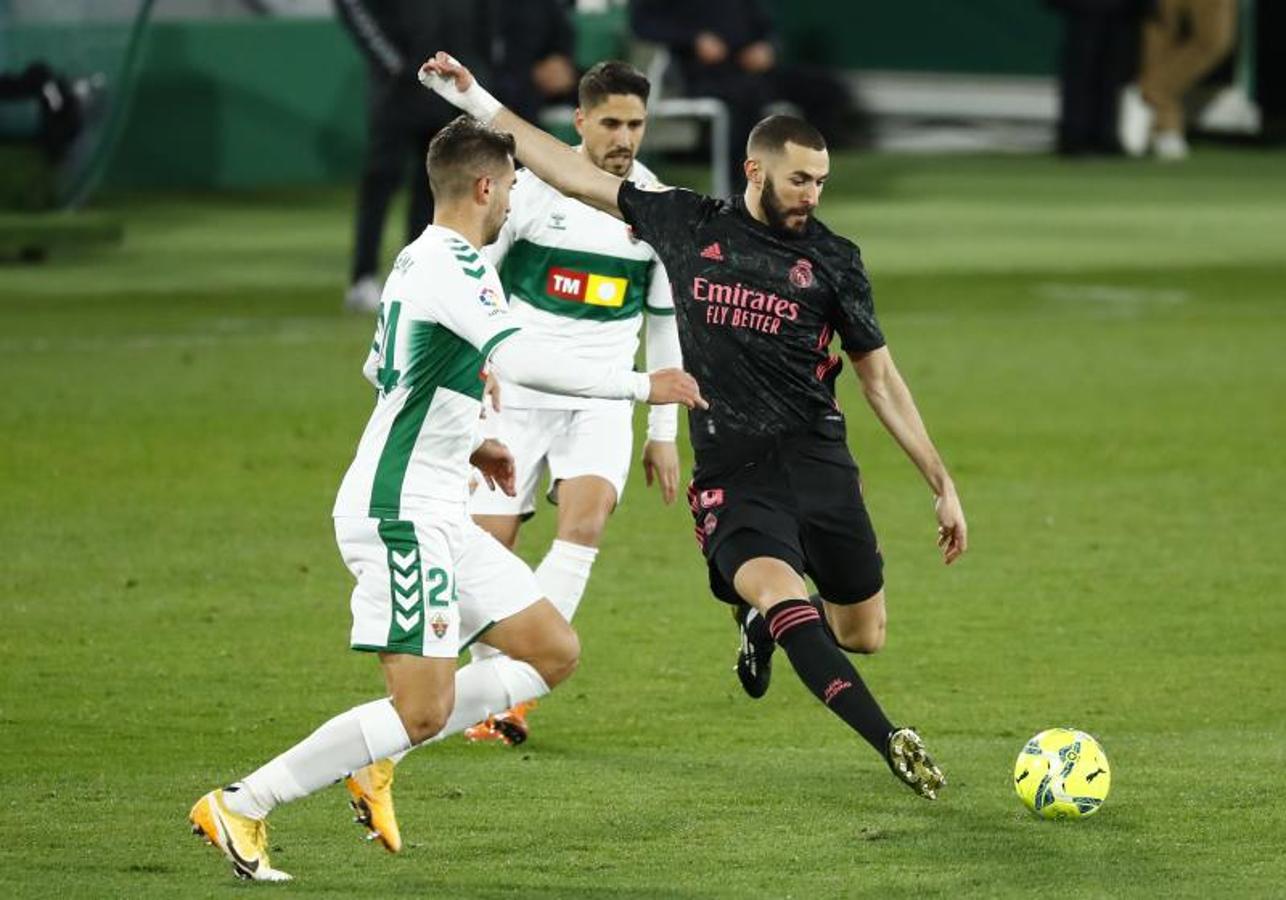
(876, 392)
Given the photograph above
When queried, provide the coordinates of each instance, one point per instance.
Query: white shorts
(567, 443)
(429, 587)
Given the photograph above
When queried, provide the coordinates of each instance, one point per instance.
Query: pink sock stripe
(790, 620)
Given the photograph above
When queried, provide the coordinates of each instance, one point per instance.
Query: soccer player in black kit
(761, 287)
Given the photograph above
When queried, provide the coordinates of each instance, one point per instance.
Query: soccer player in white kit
(425, 572)
(577, 277)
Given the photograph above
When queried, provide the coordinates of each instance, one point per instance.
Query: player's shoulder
(644, 178)
(683, 201)
(441, 258)
(528, 185)
(836, 248)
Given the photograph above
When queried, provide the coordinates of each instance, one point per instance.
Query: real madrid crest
(801, 273)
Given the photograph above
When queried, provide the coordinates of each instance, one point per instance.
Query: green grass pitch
(1100, 352)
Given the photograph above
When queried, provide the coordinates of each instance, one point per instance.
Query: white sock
(345, 744)
(484, 688)
(563, 573)
(479, 651)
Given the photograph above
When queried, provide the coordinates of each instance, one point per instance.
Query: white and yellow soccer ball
(1062, 773)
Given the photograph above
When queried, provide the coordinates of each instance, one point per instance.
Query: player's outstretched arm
(891, 399)
(529, 363)
(554, 162)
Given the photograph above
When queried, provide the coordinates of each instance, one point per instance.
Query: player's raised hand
(450, 79)
(496, 464)
(953, 533)
(446, 67)
(675, 386)
(661, 464)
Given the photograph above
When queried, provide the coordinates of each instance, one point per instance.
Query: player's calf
(857, 627)
(540, 637)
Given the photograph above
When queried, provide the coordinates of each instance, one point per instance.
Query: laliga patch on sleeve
(490, 301)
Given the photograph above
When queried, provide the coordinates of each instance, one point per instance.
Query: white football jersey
(442, 312)
(576, 277)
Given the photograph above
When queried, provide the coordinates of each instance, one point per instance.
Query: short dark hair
(465, 150)
(773, 133)
(611, 76)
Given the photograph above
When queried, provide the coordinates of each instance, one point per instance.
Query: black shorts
(800, 502)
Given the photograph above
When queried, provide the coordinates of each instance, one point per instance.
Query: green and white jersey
(577, 278)
(441, 314)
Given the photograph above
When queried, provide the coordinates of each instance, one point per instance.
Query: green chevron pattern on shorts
(406, 587)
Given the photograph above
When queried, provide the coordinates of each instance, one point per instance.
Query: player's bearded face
(793, 188)
(612, 131)
(784, 213)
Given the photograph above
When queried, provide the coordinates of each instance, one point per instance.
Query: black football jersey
(757, 311)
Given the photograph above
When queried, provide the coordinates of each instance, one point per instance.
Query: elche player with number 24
(425, 573)
(760, 289)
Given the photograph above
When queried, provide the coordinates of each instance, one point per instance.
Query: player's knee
(586, 530)
(422, 718)
(862, 630)
(863, 637)
(561, 658)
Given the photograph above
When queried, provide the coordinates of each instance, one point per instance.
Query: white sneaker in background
(1134, 126)
(363, 295)
(1170, 146)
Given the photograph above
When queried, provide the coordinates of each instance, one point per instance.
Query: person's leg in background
(1076, 68)
(1118, 34)
(383, 171)
(1175, 59)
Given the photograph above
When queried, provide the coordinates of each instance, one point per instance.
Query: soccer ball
(1062, 773)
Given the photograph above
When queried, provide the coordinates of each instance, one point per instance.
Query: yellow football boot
(372, 792)
(244, 841)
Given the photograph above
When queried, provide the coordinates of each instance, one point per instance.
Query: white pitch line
(107, 343)
(1112, 294)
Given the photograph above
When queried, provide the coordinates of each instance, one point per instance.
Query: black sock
(796, 626)
(757, 627)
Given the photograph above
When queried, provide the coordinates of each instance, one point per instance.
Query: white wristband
(476, 101)
(642, 386)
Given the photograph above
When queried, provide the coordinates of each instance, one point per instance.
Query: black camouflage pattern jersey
(757, 311)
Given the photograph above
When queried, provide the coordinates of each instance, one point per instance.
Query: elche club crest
(801, 273)
(439, 625)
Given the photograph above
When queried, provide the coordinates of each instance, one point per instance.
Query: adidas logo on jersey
(713, 252)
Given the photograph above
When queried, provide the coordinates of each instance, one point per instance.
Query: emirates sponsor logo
(738, 306)
(801, 274)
